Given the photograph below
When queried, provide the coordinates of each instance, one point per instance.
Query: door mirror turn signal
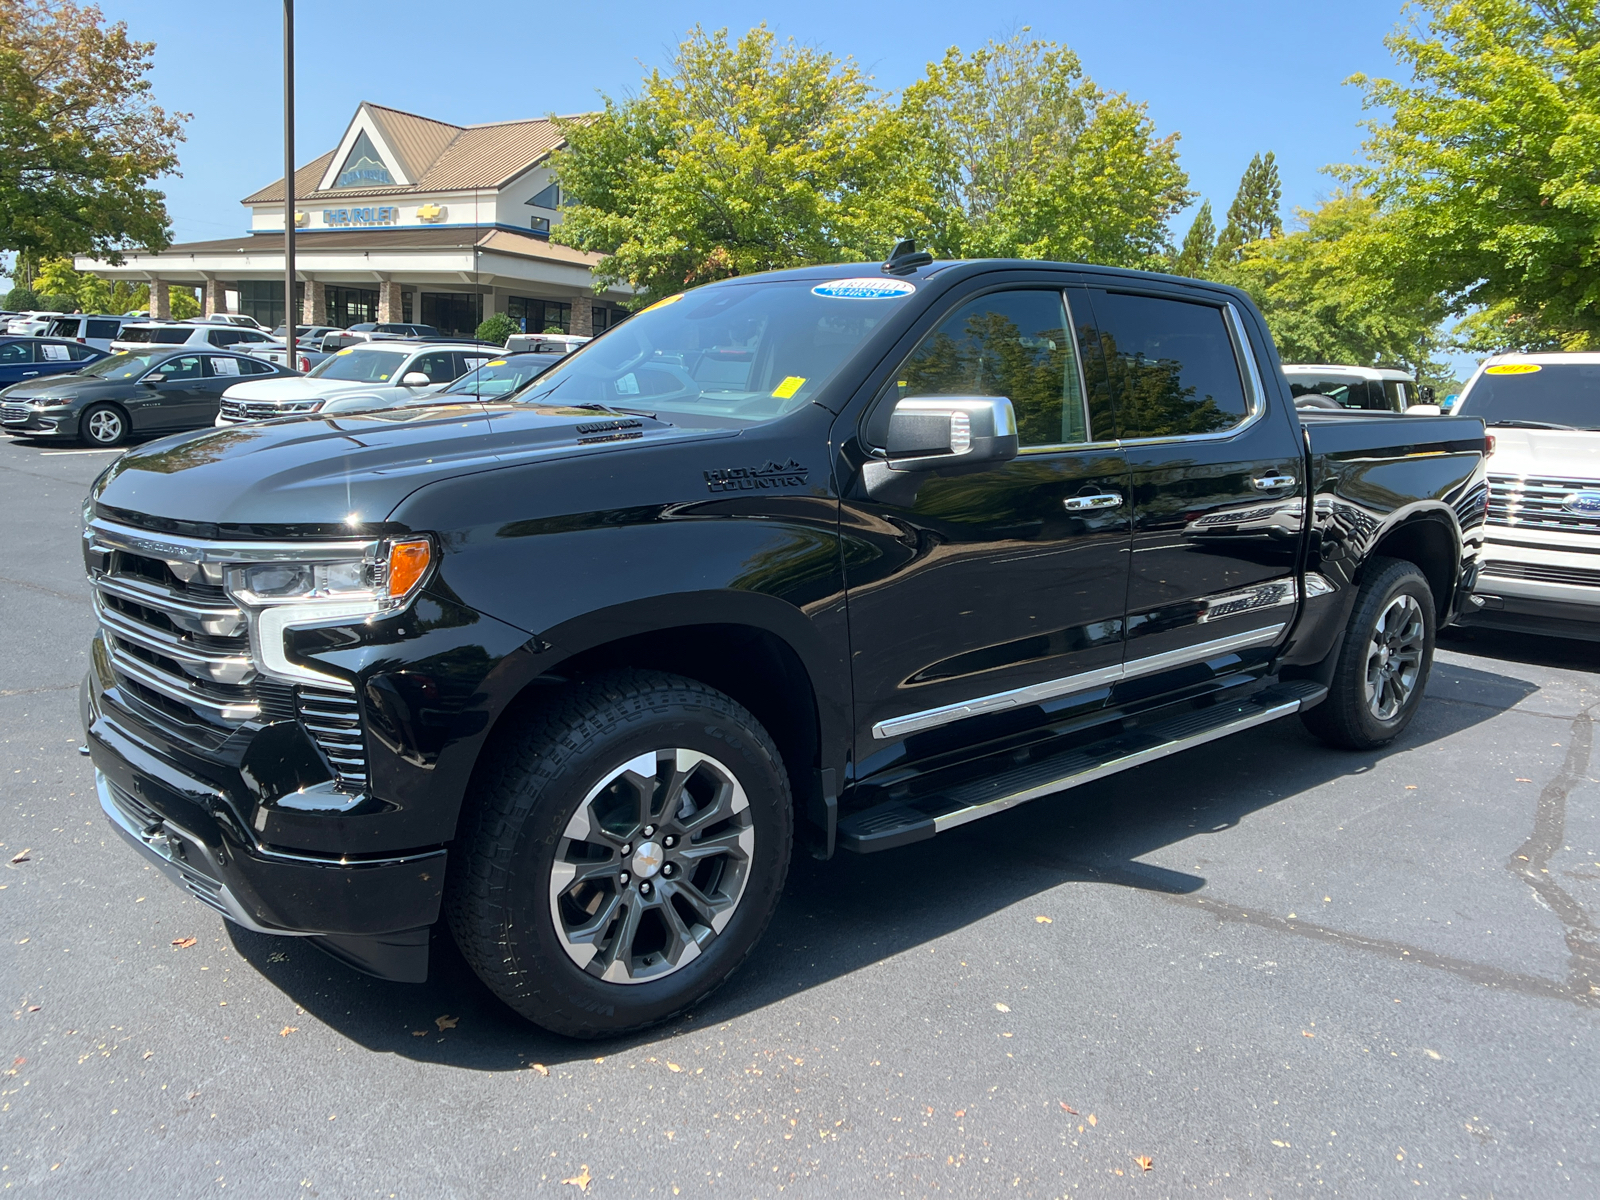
(926, 432)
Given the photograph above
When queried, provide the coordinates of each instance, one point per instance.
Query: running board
(898, 823)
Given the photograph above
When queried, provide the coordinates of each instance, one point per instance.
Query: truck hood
(1557, 453)
(298, 387)
(327, 474)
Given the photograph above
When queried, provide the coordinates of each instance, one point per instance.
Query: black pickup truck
(842, 557)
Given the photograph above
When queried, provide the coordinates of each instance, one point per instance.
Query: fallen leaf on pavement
(288, 1029)
(1145, 1162)
(1067, 1107)
(674, 1067)
(1411, 787)
(1002, 1008)
(1304, 1033)
(1519, 781)
(446, 1022)
(1119, 1170)
(1276, 1142)
(1092, 1121)
(419, 1033)
(1044, 920)
(582, 1179)
(961, 1112)
(22, 855)
(183, 943)
(35, 1008)
(539, 1067)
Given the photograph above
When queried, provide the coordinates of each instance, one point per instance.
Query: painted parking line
(53, 453)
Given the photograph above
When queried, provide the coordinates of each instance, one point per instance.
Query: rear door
(988, 599)
(1216, 487)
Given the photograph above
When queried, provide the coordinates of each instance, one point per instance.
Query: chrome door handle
(1271, 483)
(25, 374)
(1103, 500)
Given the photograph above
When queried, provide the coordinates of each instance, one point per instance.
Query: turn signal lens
(408, 563)
(1488, 444)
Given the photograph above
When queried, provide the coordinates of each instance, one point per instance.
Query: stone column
(160, 300)
(316, 304)
(389, 300)
(213, 298)
(582, 318)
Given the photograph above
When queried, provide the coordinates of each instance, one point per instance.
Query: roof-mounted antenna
(905, 258)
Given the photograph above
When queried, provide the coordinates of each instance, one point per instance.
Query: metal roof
(405, 237)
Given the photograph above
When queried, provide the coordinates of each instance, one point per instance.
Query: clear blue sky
(1232, 76)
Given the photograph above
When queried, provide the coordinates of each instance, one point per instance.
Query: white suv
(366, 376)
(1376, 389)
(141, 335)
(1539, 571)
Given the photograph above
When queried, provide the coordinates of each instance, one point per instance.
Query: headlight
(383, 581)
(52, 401)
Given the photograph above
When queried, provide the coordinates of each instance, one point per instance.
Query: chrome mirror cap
(926, 432)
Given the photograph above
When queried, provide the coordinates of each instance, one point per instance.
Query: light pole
(290, 316)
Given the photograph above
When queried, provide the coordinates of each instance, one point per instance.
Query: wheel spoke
(684, 944)
(619, 958)
(734, 843)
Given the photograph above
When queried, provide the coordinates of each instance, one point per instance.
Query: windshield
(747, 351)
(1553, 395)
(299, 331)
(501, 376)
(358, 364)
(126, 365)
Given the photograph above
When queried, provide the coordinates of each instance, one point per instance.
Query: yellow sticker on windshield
(664, 303)
(346, 350)
(789, 387)
(498, 362)
(382, 377)
(1513, 369)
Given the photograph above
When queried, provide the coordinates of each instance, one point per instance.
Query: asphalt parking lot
(1262, 968)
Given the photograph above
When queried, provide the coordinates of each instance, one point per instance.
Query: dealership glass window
(351, 306)
(454, 314)
(263, 300)
(540, 316)
(550, 197)
(362, 166)
(540, 226)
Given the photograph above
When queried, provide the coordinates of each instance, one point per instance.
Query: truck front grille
(1538, 502)
(180, 646)
(250, 410)
(1542, 573)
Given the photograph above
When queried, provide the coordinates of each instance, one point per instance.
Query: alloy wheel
(1394, 657)
(105, 426)
(652, 865)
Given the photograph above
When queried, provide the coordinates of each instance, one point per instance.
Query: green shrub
(21, 299)
(497, 328)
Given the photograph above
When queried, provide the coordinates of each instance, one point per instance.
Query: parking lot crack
(1530, 863)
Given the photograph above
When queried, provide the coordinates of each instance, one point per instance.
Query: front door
(1216, 487)
(987, 599)
(176, 400)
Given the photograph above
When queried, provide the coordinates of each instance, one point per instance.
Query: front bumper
(34, 423)
(372, 913)
(1533, 584)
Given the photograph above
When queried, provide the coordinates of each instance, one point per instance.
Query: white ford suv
(1540, 567)
(373, 371)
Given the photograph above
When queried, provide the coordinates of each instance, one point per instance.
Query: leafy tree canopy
(1028, 158)
(1254, 212)
(87, 293)
(1489, 160)
(82, 137)
(746, 156)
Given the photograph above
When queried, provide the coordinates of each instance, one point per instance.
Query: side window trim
(1244, 361)
(1089, 442)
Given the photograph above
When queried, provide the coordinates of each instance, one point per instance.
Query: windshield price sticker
(1513, 369)
(791, 385)
(864, 289)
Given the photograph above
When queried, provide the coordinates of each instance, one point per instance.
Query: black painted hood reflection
(312, 471)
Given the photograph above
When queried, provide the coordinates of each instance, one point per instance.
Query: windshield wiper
(1532, 425)
(632, 412)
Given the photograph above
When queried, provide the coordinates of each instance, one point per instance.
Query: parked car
(98, 330)
(24, 358)
(1539, 573)
(1375, 389)
(154, 390)
(240, 319)
(30, 324)
(848, 555)
(497, 379)
(141, 335)
(388, 372)
(545, 343)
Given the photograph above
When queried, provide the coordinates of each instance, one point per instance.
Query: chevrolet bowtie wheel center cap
(647, 860)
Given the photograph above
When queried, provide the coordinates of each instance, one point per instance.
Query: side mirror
(155, 377)
(926, 432)
(1423, 410)
(415, 379)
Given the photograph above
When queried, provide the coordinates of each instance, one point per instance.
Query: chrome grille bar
(1539, 502)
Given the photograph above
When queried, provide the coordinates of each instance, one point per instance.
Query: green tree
(1199, 245)
(1028, 158)
(1254, 214)
(1337, 291)
(746, 156)
(82, 139)
(496, 328)
(1488, 157)
(184, 303)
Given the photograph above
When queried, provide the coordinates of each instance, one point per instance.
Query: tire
(104, 425)
(1384, 660)
(623, 853)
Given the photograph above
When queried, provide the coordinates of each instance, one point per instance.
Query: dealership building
(406, 219)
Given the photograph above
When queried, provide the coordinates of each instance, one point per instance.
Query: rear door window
(223, 366)
(63, 327)
(79, 353)
(1172, 365)
(169, 337)
(102, 329)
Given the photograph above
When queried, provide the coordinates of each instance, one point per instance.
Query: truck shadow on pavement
(841, 916)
